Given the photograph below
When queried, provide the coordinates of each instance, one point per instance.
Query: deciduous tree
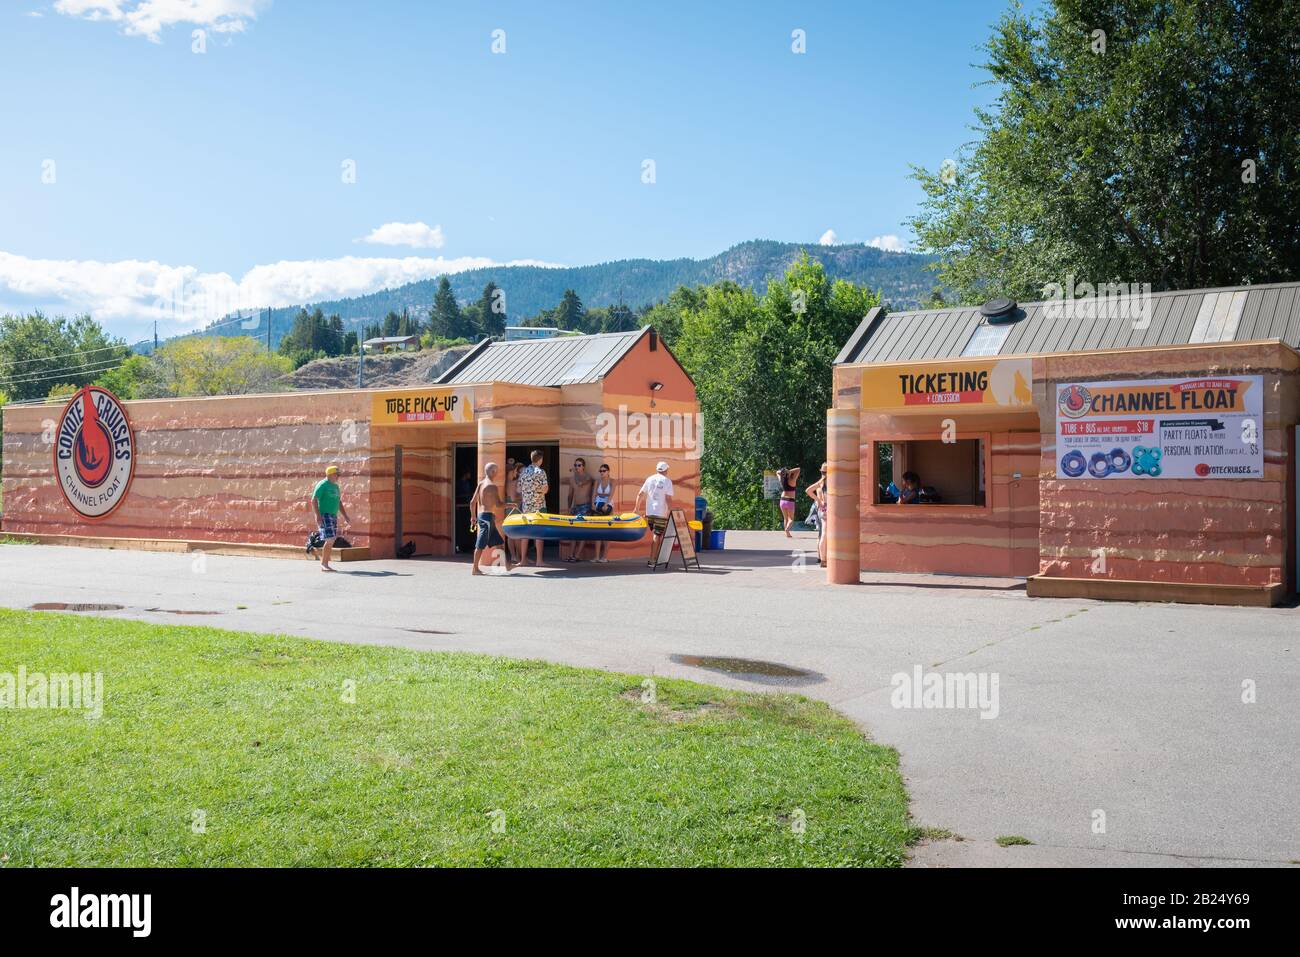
(1130, 141)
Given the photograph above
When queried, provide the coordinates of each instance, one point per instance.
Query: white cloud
(147, 18)
(185, 296)
(415, 235)
(828, 238)
(889, 243)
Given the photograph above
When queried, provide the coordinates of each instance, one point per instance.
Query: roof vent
(999, 310)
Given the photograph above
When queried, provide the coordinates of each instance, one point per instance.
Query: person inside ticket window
(910, 490)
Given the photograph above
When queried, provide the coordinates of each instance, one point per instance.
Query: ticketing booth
(1145, 452)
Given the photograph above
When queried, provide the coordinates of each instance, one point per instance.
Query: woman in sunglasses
(817, 492)
(602, 503)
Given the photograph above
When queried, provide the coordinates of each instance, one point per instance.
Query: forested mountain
(901, 278)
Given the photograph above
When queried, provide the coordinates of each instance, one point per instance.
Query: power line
(83, 352)
(63, 373)
(127, 348)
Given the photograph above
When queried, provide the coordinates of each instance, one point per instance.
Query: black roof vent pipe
(999, 310)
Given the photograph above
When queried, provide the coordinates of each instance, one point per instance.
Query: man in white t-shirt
(654, 501)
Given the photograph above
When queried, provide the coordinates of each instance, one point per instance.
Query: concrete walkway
(1127, 716)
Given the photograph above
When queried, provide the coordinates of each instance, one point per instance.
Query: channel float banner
(934, 387)
(422, 407)
(1161, 428)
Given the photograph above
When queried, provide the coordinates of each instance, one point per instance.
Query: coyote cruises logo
(1075, 402)
(94, 453)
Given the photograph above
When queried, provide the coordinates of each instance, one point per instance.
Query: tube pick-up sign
(1207, 427)
(422, 407)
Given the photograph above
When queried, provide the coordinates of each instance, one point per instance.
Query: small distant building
(399, 343)
(518, 333)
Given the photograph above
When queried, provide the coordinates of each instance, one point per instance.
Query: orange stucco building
(238, 469)
(1135, 446)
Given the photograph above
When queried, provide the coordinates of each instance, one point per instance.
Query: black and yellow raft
(549, 527)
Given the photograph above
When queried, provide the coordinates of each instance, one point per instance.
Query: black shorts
(658, 523)
(488, 536)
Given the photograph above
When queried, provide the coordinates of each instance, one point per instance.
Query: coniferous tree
(570, 313)
(491, 311)
(445, 319)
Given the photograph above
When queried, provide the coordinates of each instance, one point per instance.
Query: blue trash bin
(701, 506)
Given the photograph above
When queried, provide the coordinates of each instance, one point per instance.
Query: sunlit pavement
(1120, 738)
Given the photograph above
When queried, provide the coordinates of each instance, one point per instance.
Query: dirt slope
(388, 371)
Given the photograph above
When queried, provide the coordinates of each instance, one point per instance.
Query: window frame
(867, 500)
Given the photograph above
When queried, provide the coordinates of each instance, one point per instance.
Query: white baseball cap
(661, 467)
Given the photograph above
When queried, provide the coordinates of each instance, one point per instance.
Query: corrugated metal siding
(566, 360)
(1237, 314)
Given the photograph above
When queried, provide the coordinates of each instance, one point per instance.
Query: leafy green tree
(619, 318)
(762, 369)
(4, 399)
(38, 352)
(545, 318)
(124, 381)
(198, 365)
(666, 316)
(1163, 150)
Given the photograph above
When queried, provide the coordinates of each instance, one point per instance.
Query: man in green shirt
(327, 503)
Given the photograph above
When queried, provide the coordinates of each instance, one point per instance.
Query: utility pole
(361, 366)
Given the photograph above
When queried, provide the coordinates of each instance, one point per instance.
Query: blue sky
(222, 171)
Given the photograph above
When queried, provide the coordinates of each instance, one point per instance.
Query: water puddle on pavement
(181, 611)
(73, 606)
(761, 672)
(427, 631)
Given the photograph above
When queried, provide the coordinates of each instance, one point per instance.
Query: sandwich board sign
(771, 484)
(678, 532)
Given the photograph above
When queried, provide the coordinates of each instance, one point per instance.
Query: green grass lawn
(253, 731)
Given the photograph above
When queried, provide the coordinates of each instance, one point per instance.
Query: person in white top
(654, 502)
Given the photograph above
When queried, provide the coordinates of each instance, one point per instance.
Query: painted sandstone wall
(1000, 538)
(1203, 531)
(224, 469)
(674, 436)
(239, 469)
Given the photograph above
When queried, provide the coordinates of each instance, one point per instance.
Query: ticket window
(955, 470)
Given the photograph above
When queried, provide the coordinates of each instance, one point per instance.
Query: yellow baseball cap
(332, 470)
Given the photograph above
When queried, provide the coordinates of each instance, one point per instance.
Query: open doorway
(464, 467)
(466, 477)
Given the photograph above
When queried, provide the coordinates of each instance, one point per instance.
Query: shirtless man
(489, 508)
(581, 485)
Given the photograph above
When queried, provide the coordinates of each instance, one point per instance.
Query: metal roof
(565, 360)
(1180, 317)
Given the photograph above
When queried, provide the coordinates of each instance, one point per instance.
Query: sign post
(678, 532)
